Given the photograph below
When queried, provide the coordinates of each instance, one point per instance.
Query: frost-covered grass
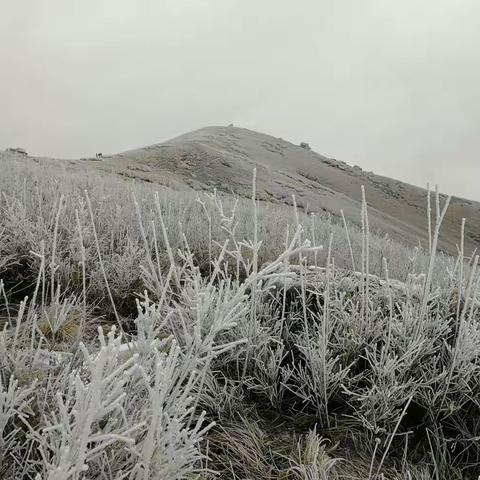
(169, 335)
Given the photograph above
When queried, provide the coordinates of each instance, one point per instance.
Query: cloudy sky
(393, 86)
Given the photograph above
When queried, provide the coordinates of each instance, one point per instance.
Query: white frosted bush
(225, 311)
(15, 403)
(73, 437)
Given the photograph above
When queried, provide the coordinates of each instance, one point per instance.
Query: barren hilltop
(223, 158)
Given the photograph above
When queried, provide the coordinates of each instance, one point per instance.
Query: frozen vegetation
(169, 335)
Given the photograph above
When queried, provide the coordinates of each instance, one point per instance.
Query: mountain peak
(223, 158)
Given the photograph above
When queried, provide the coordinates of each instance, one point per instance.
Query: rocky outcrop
(17, 150)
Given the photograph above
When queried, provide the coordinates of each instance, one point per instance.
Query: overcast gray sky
(393, 86)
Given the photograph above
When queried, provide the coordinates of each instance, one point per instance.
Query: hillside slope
(224, 158)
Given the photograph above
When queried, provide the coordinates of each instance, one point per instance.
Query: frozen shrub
(234, 343)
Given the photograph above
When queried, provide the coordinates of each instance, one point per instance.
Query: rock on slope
(224, 158)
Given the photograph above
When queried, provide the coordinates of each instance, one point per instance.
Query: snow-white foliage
(171, 336)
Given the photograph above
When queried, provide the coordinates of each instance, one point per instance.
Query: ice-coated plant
(230, 344)
(89, 416)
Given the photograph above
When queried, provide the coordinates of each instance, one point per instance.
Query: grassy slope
(287, 361)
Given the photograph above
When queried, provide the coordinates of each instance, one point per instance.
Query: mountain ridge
(223, 158)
